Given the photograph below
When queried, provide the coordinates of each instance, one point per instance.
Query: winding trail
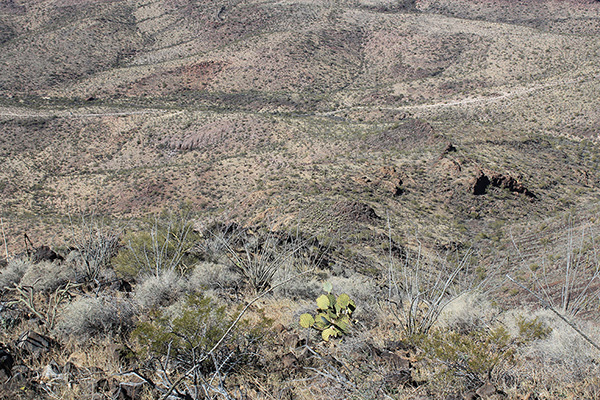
(470, 100)
(24, 112)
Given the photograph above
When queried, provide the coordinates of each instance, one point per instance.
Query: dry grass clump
(564, 356)
(162, 290)
(301, 289)
(209, 275)
(92, 316)
(471, 309)
(48, 276)
(14, 271)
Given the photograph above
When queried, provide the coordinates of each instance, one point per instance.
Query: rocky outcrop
(510, 183)
(479, 184)
(45, 253)
(354, 211)
(387, 179)
(484, 179)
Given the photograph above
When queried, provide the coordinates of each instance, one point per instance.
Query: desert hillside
(409, 152)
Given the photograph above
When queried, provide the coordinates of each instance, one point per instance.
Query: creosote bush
(185, 335)
(470, 357)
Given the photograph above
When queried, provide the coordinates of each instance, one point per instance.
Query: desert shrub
(91, 316)
(196, 343)
(161, 290)
(261, 255)
(468, 311)
(96, 243)
(361, 289)
(165, 246)
(185, 335)
(420, 288)
(564, 355)
(14, 271)
(298, 289)
(44, 306)
(208, 275)
(469, 357)
(49, 276)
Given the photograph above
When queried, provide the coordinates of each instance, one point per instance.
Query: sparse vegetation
(439, 156)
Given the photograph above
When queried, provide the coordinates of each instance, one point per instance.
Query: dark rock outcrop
(355, 211)
(45, 253)
(480, 183)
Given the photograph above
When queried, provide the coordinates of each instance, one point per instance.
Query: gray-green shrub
(92, 316)
(13, 273)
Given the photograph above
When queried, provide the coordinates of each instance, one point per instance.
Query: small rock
(51, 372)
(470, 395)
(9, 318)
(131, 388)
(291, 341)
(279, 328)
(121, 285)
(33, 343)
(70, 369)
(45, 253)
(486, 390)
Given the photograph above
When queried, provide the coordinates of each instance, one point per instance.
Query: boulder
(132, 386)
(489, 391)
(289, 361)
(291, 341)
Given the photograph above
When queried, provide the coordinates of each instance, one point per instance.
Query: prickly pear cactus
(333, 314)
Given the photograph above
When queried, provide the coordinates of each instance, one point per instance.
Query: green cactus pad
(343, 300)
(321, 321)
(327, 333)
(343, 323)
(331, 300)
(351, 306)
(306, 320)
(323, 302)
(327, 287)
